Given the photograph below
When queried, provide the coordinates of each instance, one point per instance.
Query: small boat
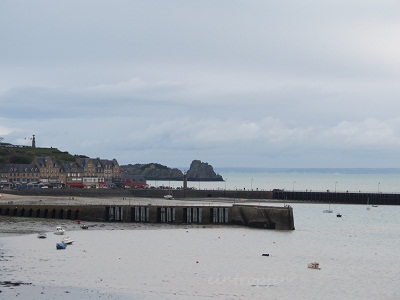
(84, 226)
(374, 205)
(339, 215)
(314, 265)
(60, 230)
(329, 211)
(41, 235)
(368, 207)
(67, 240)
(60, 246)
(169, 197)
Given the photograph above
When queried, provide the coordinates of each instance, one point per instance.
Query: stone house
(84, 172)
(49, 170)
(19, 174)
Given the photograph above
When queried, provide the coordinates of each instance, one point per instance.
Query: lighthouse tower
(33, 142)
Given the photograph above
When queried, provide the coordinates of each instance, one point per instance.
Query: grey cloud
(261, 82)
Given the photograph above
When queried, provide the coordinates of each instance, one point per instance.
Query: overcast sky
(232, 83)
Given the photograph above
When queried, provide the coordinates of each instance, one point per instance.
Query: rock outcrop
(198, 171)
(201, 171)
(154, 171)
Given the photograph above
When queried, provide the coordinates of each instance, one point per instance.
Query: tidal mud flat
(18, 260)
(32, 268)
(107, 261)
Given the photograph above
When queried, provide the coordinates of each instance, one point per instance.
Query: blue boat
(60, 246)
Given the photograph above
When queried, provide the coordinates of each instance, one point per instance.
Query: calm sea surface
(352, 180)
(358, 256)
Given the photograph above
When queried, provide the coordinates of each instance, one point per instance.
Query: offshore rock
(154, 171)
(201, 171)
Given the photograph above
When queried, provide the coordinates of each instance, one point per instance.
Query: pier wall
(279, 218)
(303, 196)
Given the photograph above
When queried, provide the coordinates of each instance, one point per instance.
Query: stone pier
(266, 217)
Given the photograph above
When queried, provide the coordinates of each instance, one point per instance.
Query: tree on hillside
(20, 159)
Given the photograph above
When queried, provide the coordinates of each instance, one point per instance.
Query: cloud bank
(257, 84)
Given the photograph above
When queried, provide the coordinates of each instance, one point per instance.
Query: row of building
(46, 172)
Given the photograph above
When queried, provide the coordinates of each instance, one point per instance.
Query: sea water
(340, 180)
(358, 255)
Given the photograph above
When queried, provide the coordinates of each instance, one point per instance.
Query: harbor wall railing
(338, 197)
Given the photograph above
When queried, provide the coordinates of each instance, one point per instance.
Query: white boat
(169, 197)
(329, 211)
(67, 240)
(314, 265)
(60, 230)
(41, 235)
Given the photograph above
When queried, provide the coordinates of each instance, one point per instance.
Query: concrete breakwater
(147, 193)
(279, 218)
(282, 195)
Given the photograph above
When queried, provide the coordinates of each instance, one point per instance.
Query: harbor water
(358, 255)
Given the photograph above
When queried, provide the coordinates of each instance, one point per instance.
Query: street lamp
(335, 186)
(293, 184)
(251, 184)
(378, 186)
(225, 182)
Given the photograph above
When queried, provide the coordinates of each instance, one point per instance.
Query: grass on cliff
(18, 155)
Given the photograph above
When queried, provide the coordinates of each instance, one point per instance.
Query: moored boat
(314, 265)
(67, 240)
(60, 246)
(41, 235)
(60, 230)
(329, 211)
